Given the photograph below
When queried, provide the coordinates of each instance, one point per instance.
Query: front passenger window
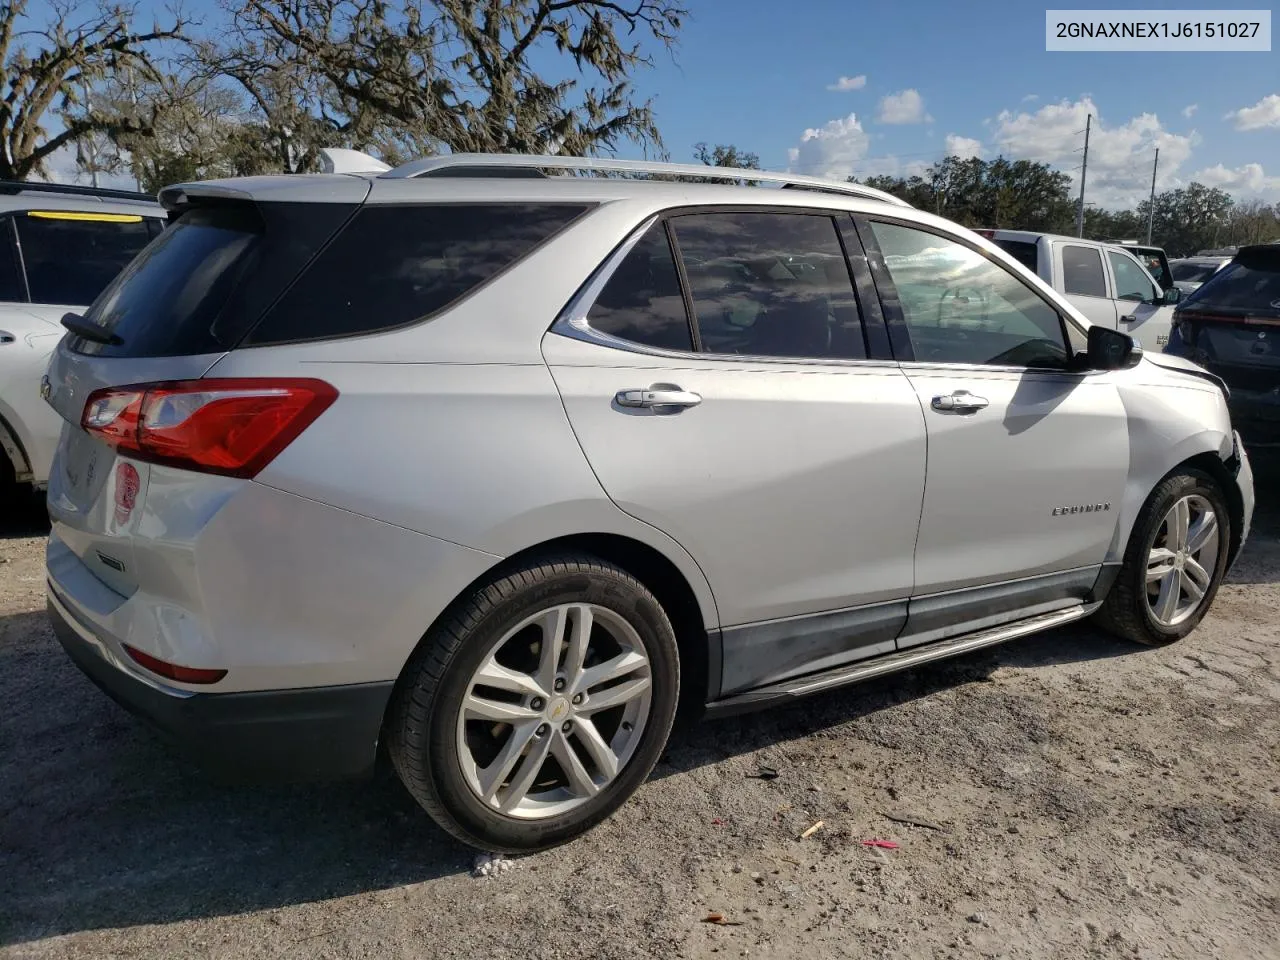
(959, 307)
(1131, 281)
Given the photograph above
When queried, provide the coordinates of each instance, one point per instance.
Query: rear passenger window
(392, 265)
(770, 284)
(71, 257)
(1082, 272)
(641, 301)
(10, 280)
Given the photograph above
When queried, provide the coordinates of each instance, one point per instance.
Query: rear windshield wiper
(89, 331)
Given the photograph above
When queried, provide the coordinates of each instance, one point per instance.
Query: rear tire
(537, 705)
(1174, 562)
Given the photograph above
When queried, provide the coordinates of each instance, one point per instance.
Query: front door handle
(1131, 318)
(661, 397)
(961, 401)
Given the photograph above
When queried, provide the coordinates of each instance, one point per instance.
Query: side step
(894, 662)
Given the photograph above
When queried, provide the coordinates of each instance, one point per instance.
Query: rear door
(1139, 301)
(1080, 276)
(760, 432)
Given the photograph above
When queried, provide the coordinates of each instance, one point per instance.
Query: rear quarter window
(395, 264)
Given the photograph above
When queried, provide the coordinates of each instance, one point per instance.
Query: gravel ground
(1082, 797)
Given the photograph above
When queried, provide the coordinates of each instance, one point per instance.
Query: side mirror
(1173, 295)
(1112, 350)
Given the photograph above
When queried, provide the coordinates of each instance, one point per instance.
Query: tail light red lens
(233, 427)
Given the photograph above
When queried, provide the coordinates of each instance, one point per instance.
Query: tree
(1188, 219)
(725, 155)
(50, 69)
(414, 77)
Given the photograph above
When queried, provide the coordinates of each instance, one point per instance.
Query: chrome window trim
(573, 321)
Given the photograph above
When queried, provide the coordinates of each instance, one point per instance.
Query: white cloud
(906, 106)
(1120, 157)
(1264, 113)
(1243, 183)
(845, 84)
(830, 150)
(963, 147)
(1190, 109)
(1031, 98)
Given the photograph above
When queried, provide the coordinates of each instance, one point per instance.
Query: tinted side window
(71, 260)
(770, 284)
(959, 307)
(1082, 272)
(1026, 253)
(1131, 282)
(642, 300)
(10, 280)
(395, 264)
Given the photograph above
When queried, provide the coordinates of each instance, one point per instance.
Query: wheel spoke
(1167, 602)
(612, 669)
(483, 708)
(553, 624)
(1197, 575)
(579, 640)
(1159, 564)
(494, 674)
(492, 776)
(1203, 532)
(1188, 583)
(601, 753)
(530, 767)
(1179, 520)
(580, 781)
(615, 696)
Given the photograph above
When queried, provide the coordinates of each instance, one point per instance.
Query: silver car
(498, 470)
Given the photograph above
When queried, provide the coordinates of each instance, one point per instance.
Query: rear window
(1246, 286)
(1189, 272)
(392, 265)
(71, 257)
(1023, 251)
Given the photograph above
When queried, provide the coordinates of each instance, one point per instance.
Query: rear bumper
(316, 733)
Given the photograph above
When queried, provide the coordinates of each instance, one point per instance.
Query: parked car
(1231, 327)
(1190, 272)
(1104, 281)
(496, 471)
(60, 246)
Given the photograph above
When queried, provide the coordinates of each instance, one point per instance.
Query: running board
(894, 662)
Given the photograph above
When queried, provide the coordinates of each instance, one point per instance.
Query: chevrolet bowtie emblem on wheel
(46, 388)
(1081, 508)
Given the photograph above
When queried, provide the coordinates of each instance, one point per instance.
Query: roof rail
(529, 165)
(10, 187)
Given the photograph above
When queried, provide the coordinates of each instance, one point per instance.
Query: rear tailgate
(185, 301)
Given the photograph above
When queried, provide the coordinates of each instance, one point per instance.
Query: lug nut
(577, 699)
(559, 684)
(541, 731)
(566, 726)
(536, 703)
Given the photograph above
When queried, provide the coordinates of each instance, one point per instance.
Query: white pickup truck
(1103, 281)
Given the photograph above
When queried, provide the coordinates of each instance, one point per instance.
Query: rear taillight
(233, 427)
(171, 670)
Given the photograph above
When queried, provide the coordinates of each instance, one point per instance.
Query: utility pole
(91, 147)
(1151, 205)
(1084, 166)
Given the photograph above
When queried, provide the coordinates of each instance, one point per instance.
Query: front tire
(537, 705)
(1175, 561)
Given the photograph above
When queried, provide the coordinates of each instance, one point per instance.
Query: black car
(1231, 327)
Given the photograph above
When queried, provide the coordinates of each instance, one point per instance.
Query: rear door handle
(663, 397)
(960, 401)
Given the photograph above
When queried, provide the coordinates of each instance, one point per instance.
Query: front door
(1027, 461)
(1139, 302)
(760, 436)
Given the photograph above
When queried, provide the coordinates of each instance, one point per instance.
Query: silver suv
(497, 470)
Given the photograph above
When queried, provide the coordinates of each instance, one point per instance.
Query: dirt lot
(1093, 799)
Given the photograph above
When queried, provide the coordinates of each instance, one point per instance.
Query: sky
(840, 87)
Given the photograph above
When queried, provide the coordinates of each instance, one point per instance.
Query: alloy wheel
(1182, 559)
